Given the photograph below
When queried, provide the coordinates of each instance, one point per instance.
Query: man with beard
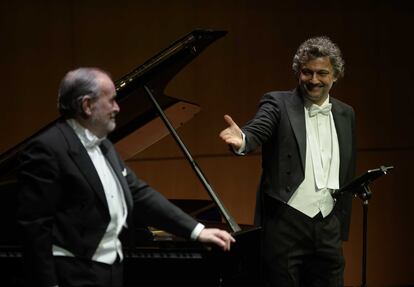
(308, 150)
(77, 195)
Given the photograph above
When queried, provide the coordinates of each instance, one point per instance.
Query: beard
(103, 124)
(110, 125)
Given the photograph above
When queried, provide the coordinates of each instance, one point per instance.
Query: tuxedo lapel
(295, 111)
(344, 132)
(81, 158)
(109, 153)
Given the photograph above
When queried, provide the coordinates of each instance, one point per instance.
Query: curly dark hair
(319, 47)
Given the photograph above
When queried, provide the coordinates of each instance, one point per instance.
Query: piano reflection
(159, 258)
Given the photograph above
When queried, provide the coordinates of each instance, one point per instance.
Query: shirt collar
(308, 103)
(88, 139)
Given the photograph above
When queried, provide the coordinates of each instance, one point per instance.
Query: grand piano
(156, 258)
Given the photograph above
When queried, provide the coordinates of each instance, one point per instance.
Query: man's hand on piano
(232, 135)
(217, 236)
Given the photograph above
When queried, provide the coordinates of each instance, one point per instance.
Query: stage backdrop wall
(41, 40)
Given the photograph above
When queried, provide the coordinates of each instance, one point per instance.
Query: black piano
(156, 258)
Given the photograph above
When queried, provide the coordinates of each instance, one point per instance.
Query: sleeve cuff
(242, 149)
(196, 231)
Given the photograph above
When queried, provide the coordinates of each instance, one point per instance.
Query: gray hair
(75, 85)
(319, 47)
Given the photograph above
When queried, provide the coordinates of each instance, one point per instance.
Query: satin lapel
(81, 158)
(344, 133)
(295, 110)
(110, 155)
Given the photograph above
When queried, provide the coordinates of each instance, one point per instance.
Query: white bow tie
(91, 143)
(314, 110)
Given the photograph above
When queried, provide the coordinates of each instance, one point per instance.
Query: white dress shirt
(321, 165)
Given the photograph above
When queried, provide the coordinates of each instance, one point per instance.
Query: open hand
(217, 236)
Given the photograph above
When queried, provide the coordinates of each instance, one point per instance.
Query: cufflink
(124, 172)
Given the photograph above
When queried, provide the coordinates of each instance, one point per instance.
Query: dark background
(42, 40)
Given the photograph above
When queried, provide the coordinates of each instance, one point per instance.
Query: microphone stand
(365, 195)
(359, 187)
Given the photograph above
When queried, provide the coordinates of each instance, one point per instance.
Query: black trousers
(301, 251)
(75, 272)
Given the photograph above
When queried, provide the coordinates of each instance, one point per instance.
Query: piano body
(157, 258)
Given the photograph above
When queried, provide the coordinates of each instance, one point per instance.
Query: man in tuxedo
(308, 151)
(77, 195)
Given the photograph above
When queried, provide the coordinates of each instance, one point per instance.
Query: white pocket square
(124, 172)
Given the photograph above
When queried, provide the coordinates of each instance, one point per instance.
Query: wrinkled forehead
(318, 63)
(106, 84)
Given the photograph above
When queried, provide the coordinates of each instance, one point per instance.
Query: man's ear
(87, 106)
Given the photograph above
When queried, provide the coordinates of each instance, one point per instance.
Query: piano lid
(138, 119)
